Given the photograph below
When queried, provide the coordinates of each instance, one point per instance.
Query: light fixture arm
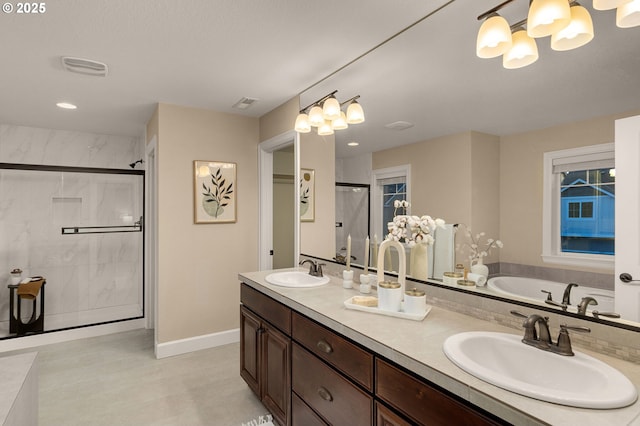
(318, 102)
(348, 101)
(494, 10)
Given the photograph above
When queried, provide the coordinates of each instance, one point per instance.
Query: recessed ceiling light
(66, 105)
(353, 144)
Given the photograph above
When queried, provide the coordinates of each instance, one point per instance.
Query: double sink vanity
(314, 362)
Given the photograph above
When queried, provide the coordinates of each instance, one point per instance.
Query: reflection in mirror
(474, 134)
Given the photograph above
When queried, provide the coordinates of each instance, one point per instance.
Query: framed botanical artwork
(307, 195)
(215, 192)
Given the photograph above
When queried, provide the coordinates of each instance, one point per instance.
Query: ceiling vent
(244, 103)
(84, 66)
(399, 125)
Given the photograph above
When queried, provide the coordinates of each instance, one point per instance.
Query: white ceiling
(210, 53)
(200, 53)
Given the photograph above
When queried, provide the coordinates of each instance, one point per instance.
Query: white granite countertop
(417, 346)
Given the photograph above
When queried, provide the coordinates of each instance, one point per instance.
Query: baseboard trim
(191, 344)
(31, 341)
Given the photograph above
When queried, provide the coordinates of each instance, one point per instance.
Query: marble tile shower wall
(90, 278)
(31, 145)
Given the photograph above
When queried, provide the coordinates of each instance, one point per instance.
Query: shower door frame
(94, 170)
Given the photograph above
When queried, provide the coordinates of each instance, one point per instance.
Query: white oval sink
(503, 360)
(295, 279)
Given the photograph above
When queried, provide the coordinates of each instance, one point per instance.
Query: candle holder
(365, 287)
(347, 279)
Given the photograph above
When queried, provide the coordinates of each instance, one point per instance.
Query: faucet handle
(549, 297)
(554, 303)
(563, 347)
(518, 314)
(597, 314)
(319, 269)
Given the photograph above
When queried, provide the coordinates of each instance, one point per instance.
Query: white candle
(375, 250)
(366, 255)
(349, 252)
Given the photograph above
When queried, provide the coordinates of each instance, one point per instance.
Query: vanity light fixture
(523, 52)
(326, 114)
(567, 22)
(628, 14)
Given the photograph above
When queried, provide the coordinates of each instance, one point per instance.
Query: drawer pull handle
(324, 347)
(325, 394)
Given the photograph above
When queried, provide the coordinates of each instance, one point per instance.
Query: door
(627, 296)
(249, 349)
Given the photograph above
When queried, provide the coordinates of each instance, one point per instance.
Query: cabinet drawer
(302, 415)
(420, 401)
(272, 311)
(333, 397)
(386, 417)
(351, 360)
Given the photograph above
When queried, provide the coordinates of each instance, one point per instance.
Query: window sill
(586, 261)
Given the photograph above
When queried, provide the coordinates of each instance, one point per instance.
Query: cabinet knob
(325, 394)
(324, 346)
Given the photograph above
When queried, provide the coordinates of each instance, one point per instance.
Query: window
(388, 185)
(579, 206)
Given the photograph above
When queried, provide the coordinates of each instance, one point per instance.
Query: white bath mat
(266, 420)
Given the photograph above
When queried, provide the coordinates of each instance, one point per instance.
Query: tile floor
(116, 380)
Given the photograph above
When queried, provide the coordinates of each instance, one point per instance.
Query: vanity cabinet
(422, 402)
(265, 351)
(307, 374)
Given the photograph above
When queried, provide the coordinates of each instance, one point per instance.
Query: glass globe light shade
(355, 114)
(547, 17)
(578, 33)
(523, 52)
(302, 123)
(325, 129)
(628, 14)
(607, 4)
(340, 123)
(331, 109)
(316, 118)
(494, 37)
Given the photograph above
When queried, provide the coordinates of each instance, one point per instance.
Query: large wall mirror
(474, 133)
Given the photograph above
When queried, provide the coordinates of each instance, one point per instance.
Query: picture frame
(215, 192)
(307, 195)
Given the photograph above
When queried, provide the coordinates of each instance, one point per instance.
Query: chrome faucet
(584, 303)
(542, 339)
(566, 297)
(315, 268)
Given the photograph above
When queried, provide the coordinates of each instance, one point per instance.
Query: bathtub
(530, 288)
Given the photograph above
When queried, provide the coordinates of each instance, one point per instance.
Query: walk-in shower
(352, 218)
(82, 230)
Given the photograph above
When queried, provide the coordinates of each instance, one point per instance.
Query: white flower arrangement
(478, 250)
(411, 229)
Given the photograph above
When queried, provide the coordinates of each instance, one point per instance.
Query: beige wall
(521, 182)
(318, 237)
(279, 120)
(198, 290)
(461, 186)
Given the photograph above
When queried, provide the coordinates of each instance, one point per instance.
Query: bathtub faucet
(566, 297)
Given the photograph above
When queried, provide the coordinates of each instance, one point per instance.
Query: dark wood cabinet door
(302, 415)
(386, 417)
(333, 397)
(421, 402)
(276, 373)
(250, 349)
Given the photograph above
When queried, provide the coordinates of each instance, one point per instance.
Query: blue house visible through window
(391, 193)
(588, 211)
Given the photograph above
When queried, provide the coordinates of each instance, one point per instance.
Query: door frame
(265, 201)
